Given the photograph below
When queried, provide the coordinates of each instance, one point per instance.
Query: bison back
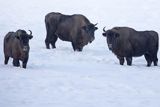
(8, 43)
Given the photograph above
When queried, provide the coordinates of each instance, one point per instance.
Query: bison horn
(30, 32)
(95, 24)
(104, 29)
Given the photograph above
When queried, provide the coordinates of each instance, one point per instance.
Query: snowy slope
(92, 78)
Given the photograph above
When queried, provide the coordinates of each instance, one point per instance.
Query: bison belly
(139, 46)
(66, 33)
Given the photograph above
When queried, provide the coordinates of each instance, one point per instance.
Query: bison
(16, 46)
(76, 29)
(127, 42)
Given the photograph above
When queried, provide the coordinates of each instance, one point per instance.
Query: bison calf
(127, 42)
(16, 45)
(76, 29)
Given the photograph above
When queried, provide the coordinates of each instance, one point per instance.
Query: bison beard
(76, 29)
(126, 42)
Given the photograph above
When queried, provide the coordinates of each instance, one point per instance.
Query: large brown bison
(16, 46)
(76, 29)
(127, 42)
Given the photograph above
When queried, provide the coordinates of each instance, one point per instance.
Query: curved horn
(104, 29)
(95, 24)
(30, 32)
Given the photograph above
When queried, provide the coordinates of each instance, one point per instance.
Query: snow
(93, 78)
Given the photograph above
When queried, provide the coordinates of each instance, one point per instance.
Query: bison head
(88, 32)
(111, 37)
(86, 35)
(24, 38)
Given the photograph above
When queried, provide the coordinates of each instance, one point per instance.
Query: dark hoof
(121, 63)
(129, 64)
(148, 65)
(78, 50)
(53, 47)
(5, 63)
(47, 47)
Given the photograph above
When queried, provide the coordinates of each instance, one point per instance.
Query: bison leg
(24, 65)
(80, 49)
(155, 60)
(74, 47)
(6, 60)
(16, 62)
(148, 59)
(129, 61)
(121, 60)
(48, 36)
(25, 62)
(47, 44)
(53, 41)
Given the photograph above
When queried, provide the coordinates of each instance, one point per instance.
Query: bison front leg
(121, 60)
(129, 61)
(77, 47)
(16, 63)
(74, 47)
(53, 40)
(6, 60)
(25, 62)
(47, 44)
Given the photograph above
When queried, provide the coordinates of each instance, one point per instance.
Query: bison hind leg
(6, 60)
(155, 63)
(155, 60)
(53, 41)
(74, 47)
(47, 44)
(148, 59)
(121, 60)
(129, 61)
(16, 62)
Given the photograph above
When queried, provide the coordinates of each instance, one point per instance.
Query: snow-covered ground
(92, 78)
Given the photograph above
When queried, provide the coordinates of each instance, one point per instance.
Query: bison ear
(95, 28)
(30, 36)
(104, 34)
(109, 32)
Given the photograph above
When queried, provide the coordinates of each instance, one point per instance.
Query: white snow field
(93, 78)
